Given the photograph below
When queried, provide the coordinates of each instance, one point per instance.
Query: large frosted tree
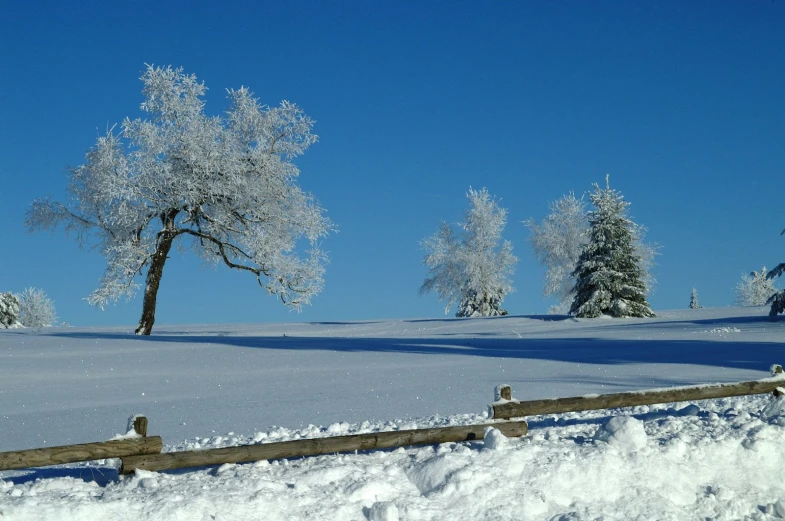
(610, 278)
(474, 267)
(224, 185)
(559, 240)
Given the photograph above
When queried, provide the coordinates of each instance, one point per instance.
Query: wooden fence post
(502, 392)
(140, 425)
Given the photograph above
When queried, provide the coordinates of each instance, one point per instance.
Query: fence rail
(317, 446)
(506, 408)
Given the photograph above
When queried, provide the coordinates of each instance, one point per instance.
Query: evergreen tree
(472, 269)
(9, 311)
(694, 300)
(610, 279)
(777, 300)
(755, 289)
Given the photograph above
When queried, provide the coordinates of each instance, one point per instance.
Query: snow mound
(437, 474)
(774, 411)
(495, 440)
(383, 511)
(624, 433)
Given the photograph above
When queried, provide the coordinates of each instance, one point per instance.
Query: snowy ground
(206, 386)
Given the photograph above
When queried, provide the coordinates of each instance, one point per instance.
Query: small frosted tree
(755, 289)
(223, 185)
(36, 309)
(9, 311)
(557, 243)
(610, 278)
(694, 300)
(472, 269)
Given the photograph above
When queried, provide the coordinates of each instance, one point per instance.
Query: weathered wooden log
(316, 446)
(84, 452)
(516, 409)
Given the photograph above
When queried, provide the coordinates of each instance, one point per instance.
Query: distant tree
(36, 309)
(228, 184)
(9, 311)
(610, 277)
(473, 268)
(694, 300)
(754, 289)
(559, 241)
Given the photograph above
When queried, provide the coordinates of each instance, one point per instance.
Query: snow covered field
(210, 386)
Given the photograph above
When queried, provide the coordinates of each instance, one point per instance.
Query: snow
(625, 433)
(219, 385)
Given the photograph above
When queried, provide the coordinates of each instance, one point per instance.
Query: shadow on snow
(586, 349)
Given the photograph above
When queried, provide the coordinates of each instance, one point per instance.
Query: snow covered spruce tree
(471, 268)
(9, 311)
(225, 185)
(557, 244)
(694, 300)
(36, 309)
(754, 289)
(610, 278)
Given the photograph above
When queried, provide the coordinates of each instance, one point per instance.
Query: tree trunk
(154, 274)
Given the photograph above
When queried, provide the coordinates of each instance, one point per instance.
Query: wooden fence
(506, 407)
(144, 452)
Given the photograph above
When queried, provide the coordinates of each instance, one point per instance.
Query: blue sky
(682, 103)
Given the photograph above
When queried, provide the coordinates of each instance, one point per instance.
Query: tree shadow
(592, 347)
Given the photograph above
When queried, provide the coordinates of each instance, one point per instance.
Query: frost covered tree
(471, 268)
(694, 300)
(224, 185)
(36, 309)
(557, 243)
(754, 289)
(9, 311)
(610, 278)
(561, 238)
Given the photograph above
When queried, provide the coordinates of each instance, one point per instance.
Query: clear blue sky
(682, 103)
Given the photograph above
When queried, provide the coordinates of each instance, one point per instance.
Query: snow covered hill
(209, 386)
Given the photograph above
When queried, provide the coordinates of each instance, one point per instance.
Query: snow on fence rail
(505, 407)
(143, 452)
